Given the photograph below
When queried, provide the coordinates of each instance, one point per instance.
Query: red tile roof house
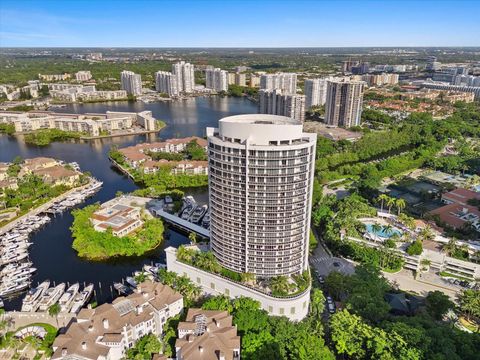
(457, 215)
(460, 196)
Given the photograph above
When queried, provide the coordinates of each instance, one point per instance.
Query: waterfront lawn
(95, 245)
(46, 136)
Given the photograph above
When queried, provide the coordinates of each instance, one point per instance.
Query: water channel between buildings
(51, 252)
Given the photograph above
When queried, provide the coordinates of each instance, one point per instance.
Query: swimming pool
(383, 232)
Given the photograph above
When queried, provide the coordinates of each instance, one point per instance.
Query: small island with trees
(121, 227)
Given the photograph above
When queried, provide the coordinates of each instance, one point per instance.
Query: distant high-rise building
(315, 92)
(361, 68)
(269, 157)
(432, 64)
(343, 106)
(131, 82)
(286, 82)
(166, 82)
(254, 81)
(240, 79)
(185, 77)
(216, 79)
(274, 102)
(347, 65)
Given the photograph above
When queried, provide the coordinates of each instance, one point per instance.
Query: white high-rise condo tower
(344, 103)
(185, 76)
(315, 92)
(216, 79)
(261, 171)
(287, 82)
(165, 82)
(131, 82)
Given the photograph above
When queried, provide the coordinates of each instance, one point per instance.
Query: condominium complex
(185, 76)
(131, 82)
(216, 79)
(377, 79)
(207, 334)
(343, 106)
(76, 92)
(254, 81)
(107, 331)
(274, 102)
(83, 75)
(286, 82)
(315, 92)
(54, 77)
(166, 82)
(237, 79)
(261, 171)
(89, 124)
(456, 88)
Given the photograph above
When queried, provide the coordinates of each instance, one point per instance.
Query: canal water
(51, 252)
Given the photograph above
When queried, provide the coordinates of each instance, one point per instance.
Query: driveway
(325, 263)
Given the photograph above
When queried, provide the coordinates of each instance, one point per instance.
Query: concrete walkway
(18, 319)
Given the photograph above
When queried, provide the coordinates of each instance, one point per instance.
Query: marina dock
(182, 224)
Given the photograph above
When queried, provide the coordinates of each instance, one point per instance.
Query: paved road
(325, 263)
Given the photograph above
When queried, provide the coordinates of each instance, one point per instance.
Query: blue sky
(248, 23)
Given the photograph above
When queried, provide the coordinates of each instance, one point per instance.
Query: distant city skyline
(212, 23)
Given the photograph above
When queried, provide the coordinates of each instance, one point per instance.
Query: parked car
(331, 308)
(329, 300)
(321, 280)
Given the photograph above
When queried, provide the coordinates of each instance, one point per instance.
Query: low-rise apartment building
(207, 334)
(89, 124)
(106, 332)
(121, 218)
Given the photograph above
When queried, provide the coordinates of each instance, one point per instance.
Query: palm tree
(400, 204)
(382, 198)
(279, 285)
(388, 230)
(390, 203)
(376, 228)
(54, 310)
(247, 277)
(450, 247)
(192, 237)
(426, 233)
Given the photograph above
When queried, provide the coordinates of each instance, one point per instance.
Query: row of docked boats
(195, 213)
(130, 284)
(16, 271)
(75, 198)
(15, 268)
(42, 297)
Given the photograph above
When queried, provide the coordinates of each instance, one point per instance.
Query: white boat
(51, 296)
(206, 219)
(13, 287)
(31, 300)
(82, 298)
(187, 213)
(13, 257)
(131, 281)
(14, 267)
(198, 213)
(67, 298)
(22, 272)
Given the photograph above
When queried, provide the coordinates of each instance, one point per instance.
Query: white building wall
(295, 308)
